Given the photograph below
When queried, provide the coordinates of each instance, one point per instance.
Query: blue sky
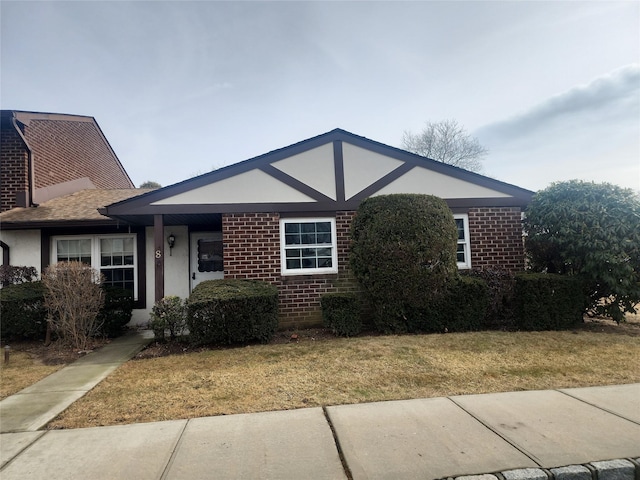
(179, 88)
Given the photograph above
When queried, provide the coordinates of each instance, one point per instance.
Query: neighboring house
(71, 228)
(46, 155)
(56, 170)
(283, 217)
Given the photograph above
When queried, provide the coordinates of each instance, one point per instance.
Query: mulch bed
(162, 349)
(56, 353)
(603, 325)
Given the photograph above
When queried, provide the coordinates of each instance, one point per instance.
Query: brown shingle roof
(81, 206)
(67, 147)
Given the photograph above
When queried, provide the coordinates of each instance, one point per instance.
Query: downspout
(30, 172)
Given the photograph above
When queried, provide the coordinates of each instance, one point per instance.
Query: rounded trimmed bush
(403, 255)
(232, 311)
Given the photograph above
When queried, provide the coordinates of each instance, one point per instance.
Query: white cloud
(616, 94)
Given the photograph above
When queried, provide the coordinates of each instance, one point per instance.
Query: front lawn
(331, 371)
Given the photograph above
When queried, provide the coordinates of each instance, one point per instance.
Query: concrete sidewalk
(556, 430)
(32, 408)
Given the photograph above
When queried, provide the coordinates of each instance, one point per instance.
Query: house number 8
(158, 254)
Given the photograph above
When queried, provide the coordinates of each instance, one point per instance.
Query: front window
(76, 249)
(463, 253)
(308, 246)
(113, 255)
(117, 262)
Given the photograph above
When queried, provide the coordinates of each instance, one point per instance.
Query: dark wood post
(158, 260)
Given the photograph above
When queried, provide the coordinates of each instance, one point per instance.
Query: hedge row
(491, 300)
(341, 313)
(548, 302)
(24, 315)
(22, 311)
(240, 311)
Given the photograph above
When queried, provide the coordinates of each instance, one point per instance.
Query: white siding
(176, 270)
(24, 247)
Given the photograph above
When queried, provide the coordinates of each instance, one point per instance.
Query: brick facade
(252, 250)
(14, 172)
(496, 238)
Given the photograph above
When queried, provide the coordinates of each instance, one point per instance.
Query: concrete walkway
(32, 408)
(575, 434)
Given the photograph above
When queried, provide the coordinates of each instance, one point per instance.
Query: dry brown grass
(23, 370)
(342, 371)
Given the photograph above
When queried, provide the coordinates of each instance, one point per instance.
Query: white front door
(206, 257)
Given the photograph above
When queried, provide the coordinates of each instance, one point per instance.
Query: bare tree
(447, 142)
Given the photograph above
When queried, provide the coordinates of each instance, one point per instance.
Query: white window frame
(466, 242)
(95, 252)
(308, 271)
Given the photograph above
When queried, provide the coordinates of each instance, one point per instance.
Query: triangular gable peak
(334, 171)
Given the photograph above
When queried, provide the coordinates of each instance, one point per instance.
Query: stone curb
(620, 469)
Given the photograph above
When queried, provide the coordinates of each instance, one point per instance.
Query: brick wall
(14, 172)
(496, 238)
(252, 246)
(252, 250)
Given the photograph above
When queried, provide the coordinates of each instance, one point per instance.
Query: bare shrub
(73, 298)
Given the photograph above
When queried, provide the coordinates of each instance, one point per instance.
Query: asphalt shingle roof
(79, 206)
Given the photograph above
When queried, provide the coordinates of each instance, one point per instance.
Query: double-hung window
(113, 255)
(463, 253)
(308, 245)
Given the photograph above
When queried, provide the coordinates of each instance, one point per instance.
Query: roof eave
(42, 224)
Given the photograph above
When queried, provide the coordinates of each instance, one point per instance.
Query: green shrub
(169, 313)
(116, 312)
(548, 301)
(12, 274)
(462, 308)
(23, 312)
(501, 290)
(341, 313)
(403, 255)
(232, 311)
(592, 231)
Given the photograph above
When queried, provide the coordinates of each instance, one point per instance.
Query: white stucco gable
(253, 186)
(314, 168)
(422, 180)
(363, 167)
(331, 172)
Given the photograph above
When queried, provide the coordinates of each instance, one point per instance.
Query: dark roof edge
(107, 222)
(113, 153)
